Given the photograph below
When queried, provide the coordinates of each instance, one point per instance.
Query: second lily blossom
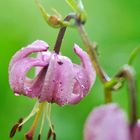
(108, 122)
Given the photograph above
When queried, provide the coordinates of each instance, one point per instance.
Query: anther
(20, 121)
(54, 136)
(13, 130)
(39, 137)
(49, 134)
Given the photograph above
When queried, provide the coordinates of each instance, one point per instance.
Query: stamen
(54, 136)
(39, 137)
(49, 134)
(29, 134)
(43, 121)
(33, 112)
(13, 130)
(39, 108)
(51, 130)
(20, 126)
(49, 116)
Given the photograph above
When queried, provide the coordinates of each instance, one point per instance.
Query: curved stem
(128, 73)
(108, 95)
(61, 34)
(92, 53)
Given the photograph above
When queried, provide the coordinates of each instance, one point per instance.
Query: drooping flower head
(57, 79)
(108, 122)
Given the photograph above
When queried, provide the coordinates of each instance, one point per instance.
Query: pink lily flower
(108, 122)
(57, 79)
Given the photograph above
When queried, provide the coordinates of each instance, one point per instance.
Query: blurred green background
(114, 25)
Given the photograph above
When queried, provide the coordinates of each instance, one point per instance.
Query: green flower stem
(78, 8)
(127, 72)
(92, 53)
(108, 87)
(61, 34)
(111, 83)
(108, 95)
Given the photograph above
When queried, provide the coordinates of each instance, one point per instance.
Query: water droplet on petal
(16, 94)
(82, 86)
(28, 90)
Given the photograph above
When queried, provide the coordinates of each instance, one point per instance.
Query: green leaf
(133, 55)
(73, 5)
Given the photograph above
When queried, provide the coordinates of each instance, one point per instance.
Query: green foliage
(114, 25)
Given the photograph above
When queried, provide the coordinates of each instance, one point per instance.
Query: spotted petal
(84, 76)
(86, 63)
(58, 84)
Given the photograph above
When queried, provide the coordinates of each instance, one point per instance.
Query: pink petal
(44, 56)
(84, 76)
(81, 84)
(107, 122)
(17, 75)
(37, 46)
(20, 65)
(86, 63)
(58, 84)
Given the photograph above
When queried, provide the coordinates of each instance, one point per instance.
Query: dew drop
(27, 90)
(16, 94)
(82, 86)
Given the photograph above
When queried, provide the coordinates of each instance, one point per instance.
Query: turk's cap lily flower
(57, 78)
(108, 122)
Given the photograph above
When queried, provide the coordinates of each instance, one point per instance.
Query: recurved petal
(37, 46)
(17, 75)
(81, 84)
(107, 122)
(58, 84)
(86, 63)
(84, 76)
